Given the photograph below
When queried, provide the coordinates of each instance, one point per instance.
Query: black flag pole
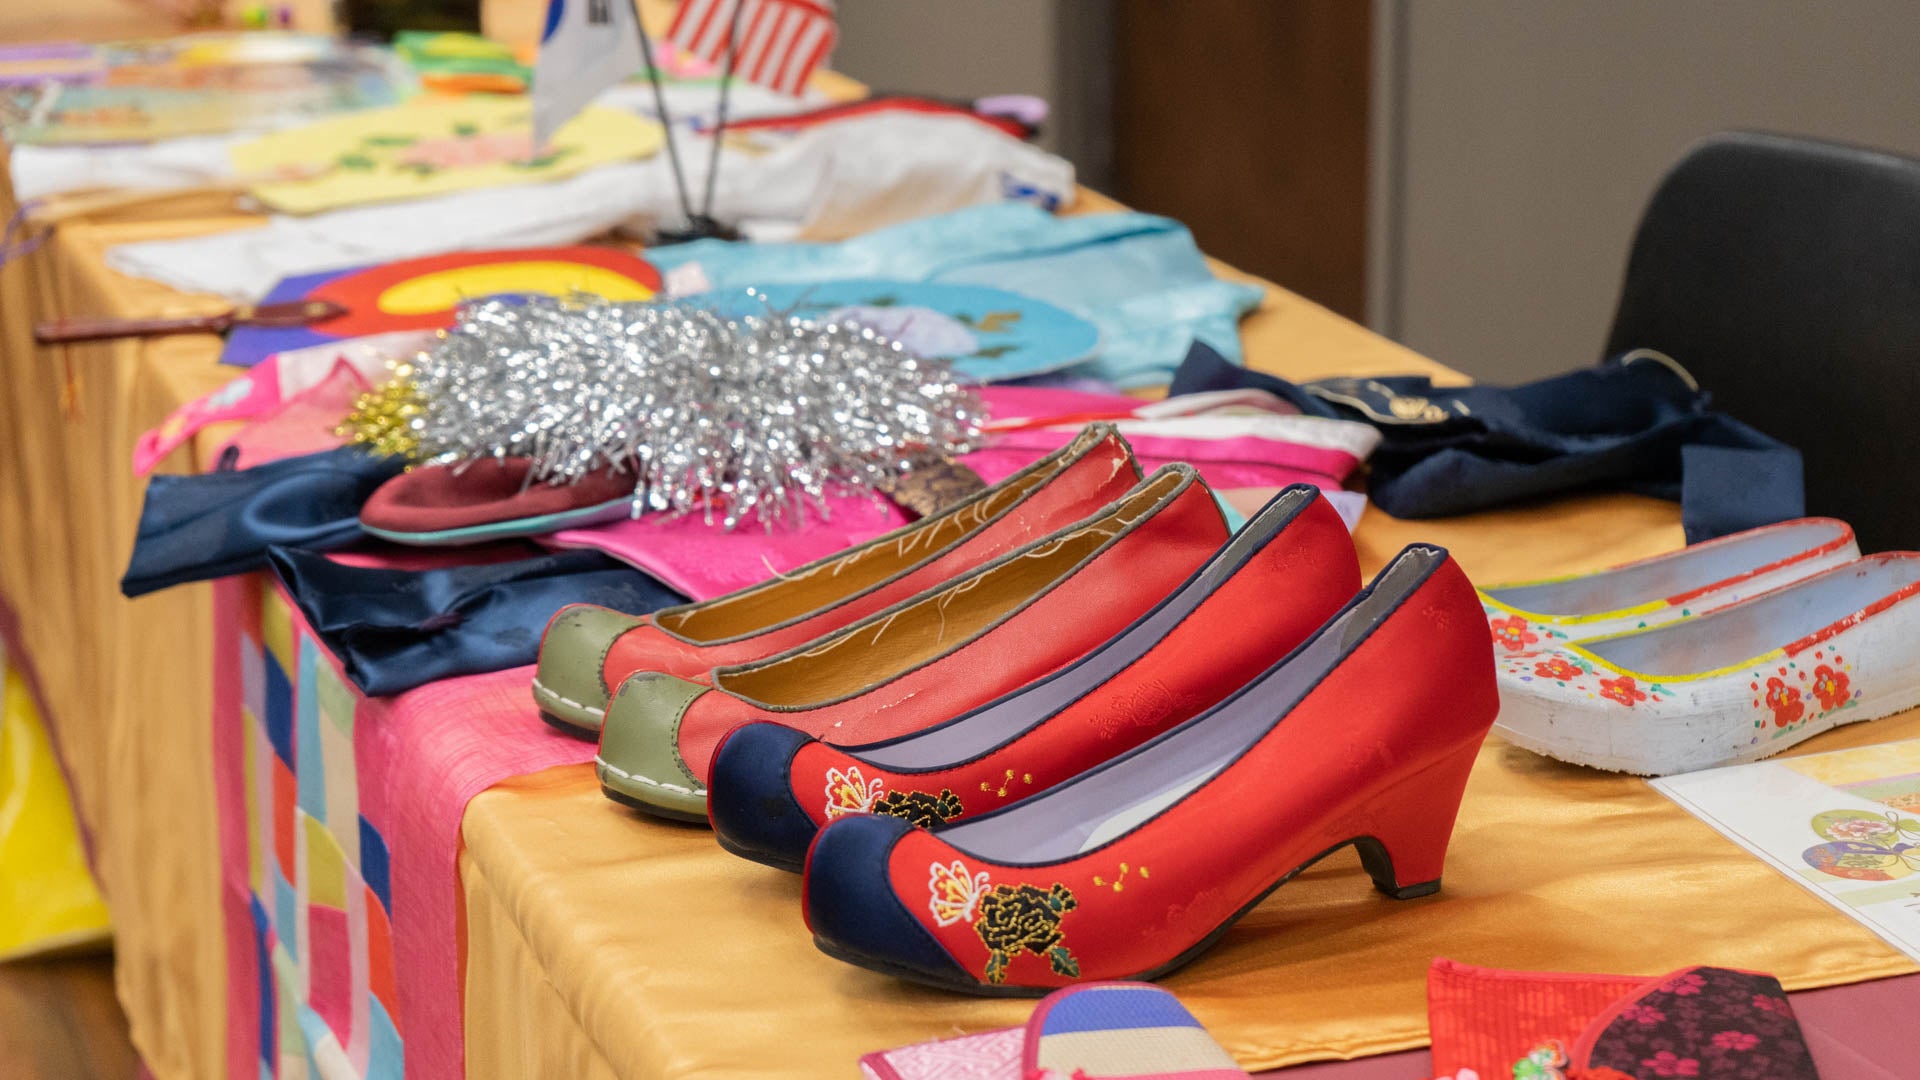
(698, 226)
(720, 120)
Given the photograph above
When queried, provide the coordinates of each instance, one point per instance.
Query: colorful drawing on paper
(990, 335)
(422, 294)
(1844, 825)
(1867, 845)
(1864, 846)
(139, 91)
(431, 146)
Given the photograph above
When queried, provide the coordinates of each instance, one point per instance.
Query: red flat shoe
(1274, 583)
(1364, 736)
(588, 650)
(927, 659)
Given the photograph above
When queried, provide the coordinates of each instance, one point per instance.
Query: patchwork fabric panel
(306, 875)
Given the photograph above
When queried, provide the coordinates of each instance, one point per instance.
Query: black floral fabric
(1705, 1024)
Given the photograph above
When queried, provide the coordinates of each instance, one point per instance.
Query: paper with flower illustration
(1845, 825)
(430, 146)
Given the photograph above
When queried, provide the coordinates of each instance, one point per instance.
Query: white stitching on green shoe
(638, 779)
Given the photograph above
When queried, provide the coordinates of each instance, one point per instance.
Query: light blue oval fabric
(988, 335)
(1137, 277)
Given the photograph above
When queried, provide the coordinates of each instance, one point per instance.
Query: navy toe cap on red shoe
(853, 910)
(750, 796)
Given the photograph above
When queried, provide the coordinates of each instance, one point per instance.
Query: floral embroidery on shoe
(1017, 918)
(1512, 634)
(1622, 690)
(921, 808)
(1149, 705)
(1785, 702)
(1830, 687)
(1119, 882)
(956, 892)
(1736, 1040)
(1558, 668)
(850, 793)
(1007, 784)
(1010, 919)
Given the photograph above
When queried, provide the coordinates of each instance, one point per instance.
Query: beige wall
(1524, 138)
(1057, 49)
(952, 47)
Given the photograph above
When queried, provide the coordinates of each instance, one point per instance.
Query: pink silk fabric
(703, 561)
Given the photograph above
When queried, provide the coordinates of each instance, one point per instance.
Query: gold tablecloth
(600, 945)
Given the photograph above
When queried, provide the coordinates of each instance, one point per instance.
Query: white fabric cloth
(823, 182)
(40, 171)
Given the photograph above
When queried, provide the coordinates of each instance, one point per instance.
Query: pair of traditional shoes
(1721, 653)
(1124, 733)
(886, 637)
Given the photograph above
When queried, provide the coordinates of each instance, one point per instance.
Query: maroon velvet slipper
(487, 500)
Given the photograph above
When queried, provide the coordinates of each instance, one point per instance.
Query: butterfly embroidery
(956, 892)
(850, 793)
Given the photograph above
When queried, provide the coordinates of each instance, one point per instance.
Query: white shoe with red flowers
(1736, 684)
(1530, 616)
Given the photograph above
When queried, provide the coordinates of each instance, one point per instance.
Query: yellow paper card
(430, 146)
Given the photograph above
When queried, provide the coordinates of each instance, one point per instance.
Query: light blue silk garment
(1137, 277)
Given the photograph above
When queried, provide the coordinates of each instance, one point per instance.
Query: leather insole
(891, 644)
(783, 599)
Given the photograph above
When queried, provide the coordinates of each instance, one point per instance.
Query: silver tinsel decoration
(740, 417)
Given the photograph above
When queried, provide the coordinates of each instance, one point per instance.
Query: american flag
(781, 41)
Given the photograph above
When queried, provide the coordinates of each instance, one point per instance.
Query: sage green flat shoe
(568, 686)
(639, 762)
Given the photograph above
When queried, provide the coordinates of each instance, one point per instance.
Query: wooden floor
(59, 1021)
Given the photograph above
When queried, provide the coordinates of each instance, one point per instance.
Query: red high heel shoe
(1275, 582)
(588, 650)
(1364, 736)
(927, 659)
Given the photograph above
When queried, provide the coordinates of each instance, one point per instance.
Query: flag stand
(701, 225)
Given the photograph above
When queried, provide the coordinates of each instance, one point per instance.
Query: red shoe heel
(1409, 838)
(1365, 735)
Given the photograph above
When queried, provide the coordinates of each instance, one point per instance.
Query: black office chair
(1784, 273)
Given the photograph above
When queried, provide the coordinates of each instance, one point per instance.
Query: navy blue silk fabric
(1631, 426)
(394, 630)
(196, 528)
